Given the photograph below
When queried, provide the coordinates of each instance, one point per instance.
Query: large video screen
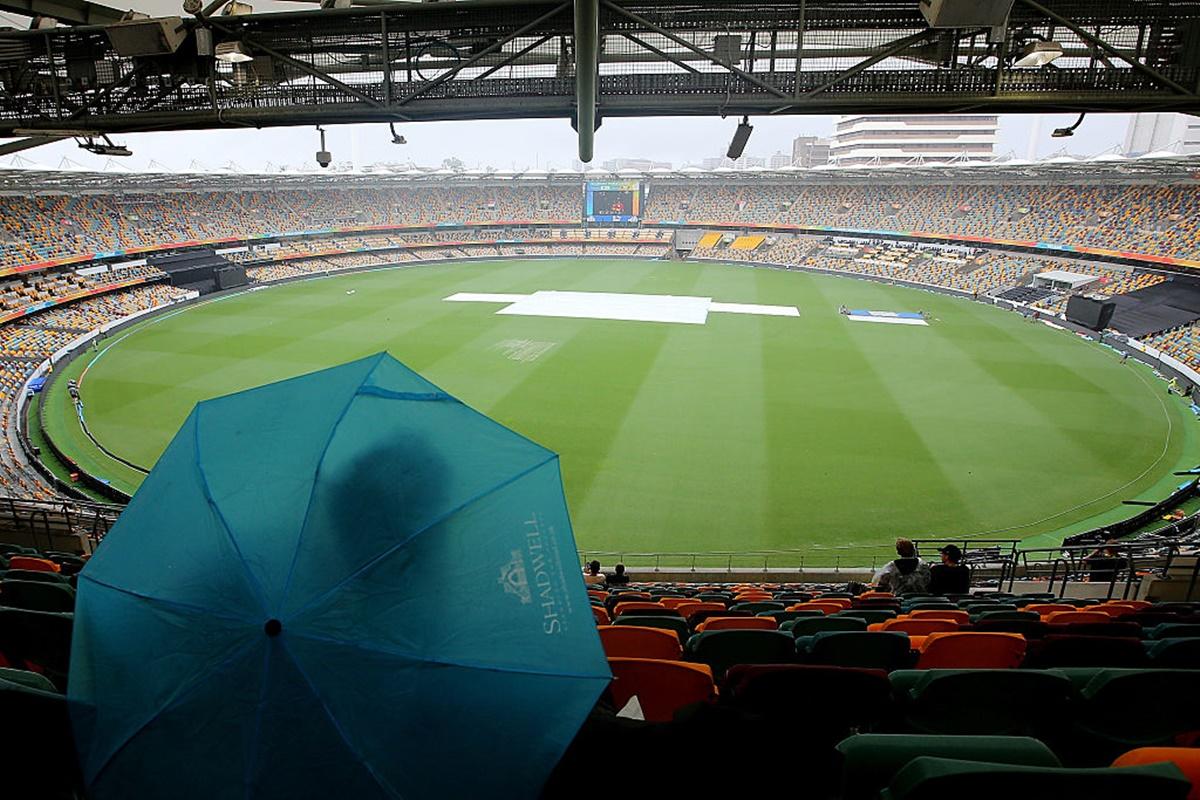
(612, 201)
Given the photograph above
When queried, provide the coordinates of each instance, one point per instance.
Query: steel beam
(1087, 36)
(587, 69)
(8, 148)
(70, 12)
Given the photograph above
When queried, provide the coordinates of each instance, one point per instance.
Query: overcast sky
(534, 143)
(519, 143)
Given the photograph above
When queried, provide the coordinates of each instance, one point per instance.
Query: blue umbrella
(343, 585)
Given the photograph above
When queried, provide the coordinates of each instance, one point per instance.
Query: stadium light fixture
(740, 137)
(106, 147)
(396, 138)
(1039, 54)
(232, 53)
(1063, 133)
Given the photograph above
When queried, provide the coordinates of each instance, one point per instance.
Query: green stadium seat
(981, 701)
(37, 596)
(721, 650)
(676, 624)
(1178, 653)
(830, 701)
(1173, 630)
(38, 744)
(988, 608)
(870, 761)
(786, 616)
(1115, 627)
(758, 607)
(809, 626)
(869, 615)
(34, 575)
(1054, 651)
(39, 639)
(1031, 629)
(929, 778)
(1122, 709)
(869, 649)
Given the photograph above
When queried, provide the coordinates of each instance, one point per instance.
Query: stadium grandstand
(391, 482)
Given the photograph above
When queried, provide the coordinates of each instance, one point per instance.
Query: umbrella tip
(273, 627)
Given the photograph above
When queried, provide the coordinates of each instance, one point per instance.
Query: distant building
(745, 162)
(1149, 133)
(903, 139)
(779, 160)
(810, 151)
(639, 164)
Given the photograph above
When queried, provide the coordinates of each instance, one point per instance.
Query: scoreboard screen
(612, 201)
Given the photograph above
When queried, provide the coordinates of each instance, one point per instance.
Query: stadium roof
(22, 176)
(589, 59)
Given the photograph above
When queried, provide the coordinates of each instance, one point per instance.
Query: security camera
(324, 157)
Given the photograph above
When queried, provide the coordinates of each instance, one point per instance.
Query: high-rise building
(1149, 133)
(779, 160)
(810, 151)
(904, 138)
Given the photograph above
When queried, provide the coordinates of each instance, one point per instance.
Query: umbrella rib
(181, 694)
(252, 758)
(432, 524)
(448, 662)
(312, 492)
(169, 603)
(380, 782)
(254, 584)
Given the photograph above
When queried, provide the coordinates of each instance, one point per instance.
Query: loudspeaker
(966, 13)
(1089, 312)
(147, 37)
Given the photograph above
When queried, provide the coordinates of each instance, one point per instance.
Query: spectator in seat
(905, 574)
(951, 576)
(618, 576)
(1104, 563)
(592, 576)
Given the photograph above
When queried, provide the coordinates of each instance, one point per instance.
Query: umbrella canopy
(347, 584)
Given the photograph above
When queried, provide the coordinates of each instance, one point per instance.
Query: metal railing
(1125, 565)
(42, 521)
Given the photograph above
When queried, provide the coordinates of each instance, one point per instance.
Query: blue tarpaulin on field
(347, 584)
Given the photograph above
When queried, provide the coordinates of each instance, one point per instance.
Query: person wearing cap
(950, 577)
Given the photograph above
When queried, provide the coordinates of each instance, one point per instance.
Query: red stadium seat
(661, 687)
(960, 617)
(1074, 617)
(737, 623)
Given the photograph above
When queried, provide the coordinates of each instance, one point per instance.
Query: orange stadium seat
(915, 627)
(629, 641)
(33, 564)
(971, 650)
(1187, 759)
